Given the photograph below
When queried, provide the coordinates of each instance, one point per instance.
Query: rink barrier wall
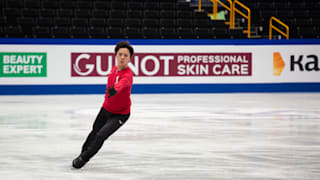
(310, 83)
(163, 88)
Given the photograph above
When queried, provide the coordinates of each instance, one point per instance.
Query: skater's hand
(111, 91)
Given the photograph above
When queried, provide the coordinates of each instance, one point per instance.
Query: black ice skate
(78, 162)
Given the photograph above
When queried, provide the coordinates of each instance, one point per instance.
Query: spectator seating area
(146, 19)
(302, 16)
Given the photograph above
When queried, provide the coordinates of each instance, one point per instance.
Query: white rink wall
(244, 66)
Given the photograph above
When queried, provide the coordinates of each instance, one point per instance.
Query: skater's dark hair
(124, 44)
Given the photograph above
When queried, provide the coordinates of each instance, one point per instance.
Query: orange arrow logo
(278, 64)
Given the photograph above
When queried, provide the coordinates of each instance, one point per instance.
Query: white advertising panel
(161, 64)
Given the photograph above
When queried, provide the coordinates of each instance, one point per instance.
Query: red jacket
(122, 82)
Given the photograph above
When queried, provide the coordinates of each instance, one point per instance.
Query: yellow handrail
(275, 28)
(215, 11)
(247, 16)
(199, 6)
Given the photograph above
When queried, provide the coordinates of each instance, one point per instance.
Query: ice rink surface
(168, 137)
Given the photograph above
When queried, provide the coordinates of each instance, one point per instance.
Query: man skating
(116, 106)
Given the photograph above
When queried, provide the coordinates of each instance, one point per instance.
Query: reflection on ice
(180, 136)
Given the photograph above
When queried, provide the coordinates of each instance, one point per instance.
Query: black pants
(104, 126)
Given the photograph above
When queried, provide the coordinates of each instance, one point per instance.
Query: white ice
(168, 137)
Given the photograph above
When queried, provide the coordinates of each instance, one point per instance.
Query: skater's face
(123, 58)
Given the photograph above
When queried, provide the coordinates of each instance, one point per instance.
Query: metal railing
(199, 5)
(271, 26)
(230, 9)
(247, 16)
(233, 10)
